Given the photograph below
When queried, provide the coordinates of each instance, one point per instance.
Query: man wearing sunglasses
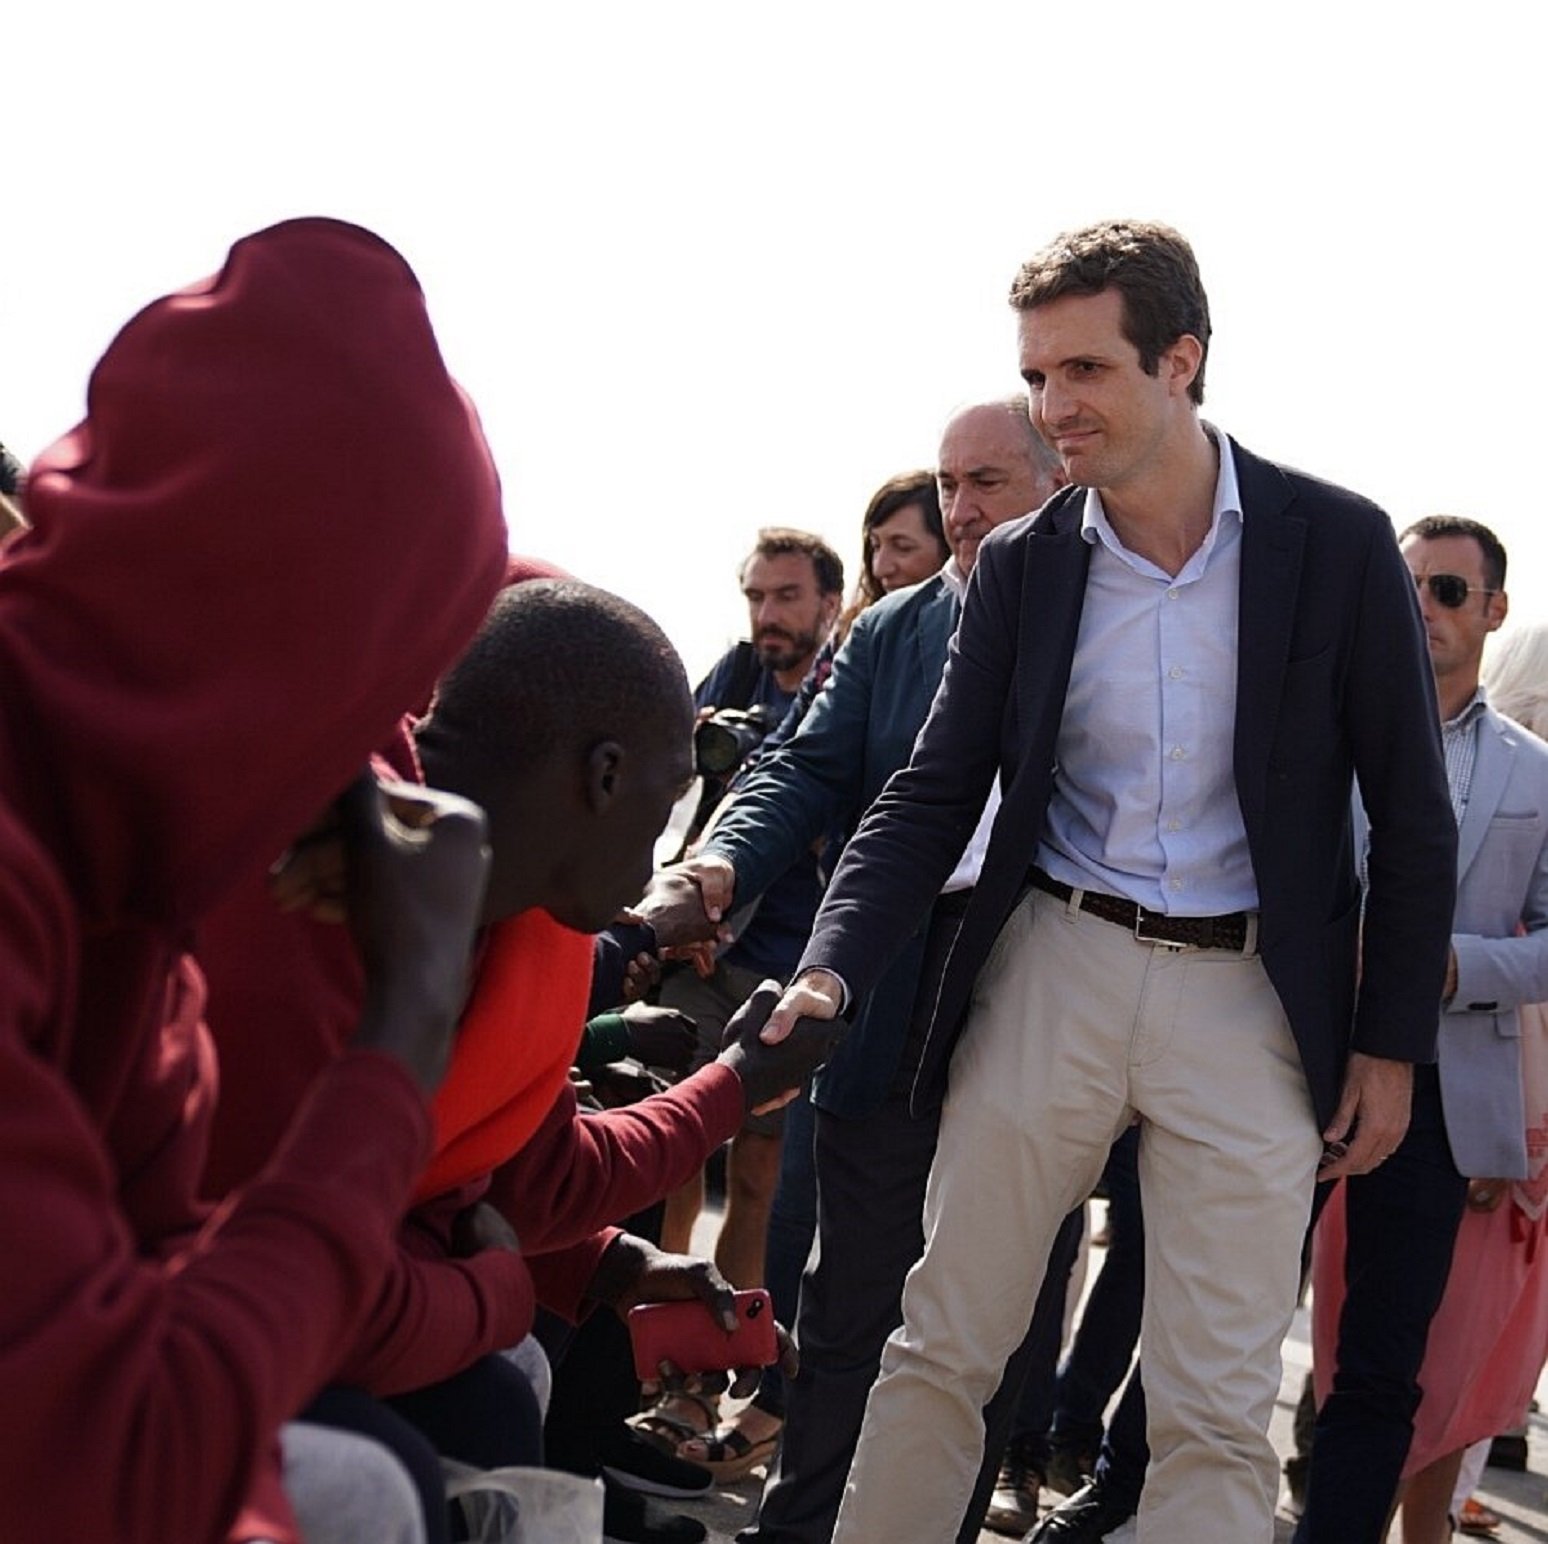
(1402, 1217)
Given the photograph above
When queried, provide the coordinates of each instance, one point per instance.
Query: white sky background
(706, 267)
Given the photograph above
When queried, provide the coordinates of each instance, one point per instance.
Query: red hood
(277, 525)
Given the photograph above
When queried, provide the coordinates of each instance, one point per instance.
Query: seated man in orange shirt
(569, 721)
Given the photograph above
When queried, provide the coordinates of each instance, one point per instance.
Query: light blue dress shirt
(1144, 795)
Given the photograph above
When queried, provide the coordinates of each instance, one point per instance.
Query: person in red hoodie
(275, 528)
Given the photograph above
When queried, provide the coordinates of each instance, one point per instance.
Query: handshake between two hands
(776, 1039)
(686, 907)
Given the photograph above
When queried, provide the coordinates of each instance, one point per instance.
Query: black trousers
(1402, 1228)
(595, 1387)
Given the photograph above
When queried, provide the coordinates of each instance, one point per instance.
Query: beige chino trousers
(1074, 1028)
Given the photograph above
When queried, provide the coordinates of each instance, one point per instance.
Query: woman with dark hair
(904, 539)
(904, 543)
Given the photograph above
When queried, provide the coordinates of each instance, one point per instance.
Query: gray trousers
(347, 1489)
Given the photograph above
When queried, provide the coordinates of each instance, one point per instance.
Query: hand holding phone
(688, 1335)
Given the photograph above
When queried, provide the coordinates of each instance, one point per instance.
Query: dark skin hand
(634, 1271)
(660, 1037)
(405, 867)
(674, 907)
(773, 1074)
(641, 974)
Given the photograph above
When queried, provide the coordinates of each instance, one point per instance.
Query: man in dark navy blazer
(1174, 670)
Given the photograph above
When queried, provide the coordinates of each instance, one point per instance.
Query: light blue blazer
(1502, 879)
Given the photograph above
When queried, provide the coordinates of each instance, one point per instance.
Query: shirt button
(1176, 672)
(1173, 594)
(1178, 753)
(1174, 825)
(1176, 884)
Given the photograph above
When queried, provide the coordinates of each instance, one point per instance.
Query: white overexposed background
(711, 266)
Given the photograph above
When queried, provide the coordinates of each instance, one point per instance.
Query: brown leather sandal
(667, 1424)
(730, 1453)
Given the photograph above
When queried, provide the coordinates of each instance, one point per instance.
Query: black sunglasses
(1450, 590)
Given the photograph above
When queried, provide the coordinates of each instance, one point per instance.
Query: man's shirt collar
(1095, 526)
(954, 579)
(1470, 712)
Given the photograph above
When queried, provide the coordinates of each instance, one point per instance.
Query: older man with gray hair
(876, 1119)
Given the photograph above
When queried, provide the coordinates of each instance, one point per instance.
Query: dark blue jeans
(792, 1227)
(1402, 1227)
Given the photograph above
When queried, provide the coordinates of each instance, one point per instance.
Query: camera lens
(716, 748)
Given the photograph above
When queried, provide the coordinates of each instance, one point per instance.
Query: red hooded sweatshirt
(276, 527)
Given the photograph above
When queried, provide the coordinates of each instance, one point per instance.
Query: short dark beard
(802, 646)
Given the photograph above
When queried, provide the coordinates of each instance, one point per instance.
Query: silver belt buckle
(1141, 936)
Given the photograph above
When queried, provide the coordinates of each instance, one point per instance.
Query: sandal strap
(659, 1416)
(728, 1442)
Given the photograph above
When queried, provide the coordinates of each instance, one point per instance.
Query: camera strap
(743, 680)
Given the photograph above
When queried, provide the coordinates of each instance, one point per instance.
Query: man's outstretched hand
(772, 1071)
(677, 910)
(716, 879)
(814, 994)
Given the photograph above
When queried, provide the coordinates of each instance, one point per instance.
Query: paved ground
(1521, 1499)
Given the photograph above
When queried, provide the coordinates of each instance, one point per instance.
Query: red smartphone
(689, 1336)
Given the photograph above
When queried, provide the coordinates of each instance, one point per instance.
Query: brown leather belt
(1154, 927)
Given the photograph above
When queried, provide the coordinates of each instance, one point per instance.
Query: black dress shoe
(1013, 1506)
(1297, 1472)
(1069, 1469)
(1089, 1515)
(1509, 1452)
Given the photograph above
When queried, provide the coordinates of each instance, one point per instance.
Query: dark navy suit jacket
(1333, 678)
(858, 732)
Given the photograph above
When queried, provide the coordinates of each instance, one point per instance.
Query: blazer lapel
(1491, 772)
(1053, 591)
(1273, 538)
(936, 622)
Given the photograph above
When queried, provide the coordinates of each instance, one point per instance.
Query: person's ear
(604, 771)
(830, 610)
(1499, 609)
(1181, 362)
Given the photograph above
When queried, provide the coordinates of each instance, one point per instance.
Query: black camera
(725, 739)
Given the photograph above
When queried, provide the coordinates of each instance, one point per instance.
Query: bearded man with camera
(793, 584)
